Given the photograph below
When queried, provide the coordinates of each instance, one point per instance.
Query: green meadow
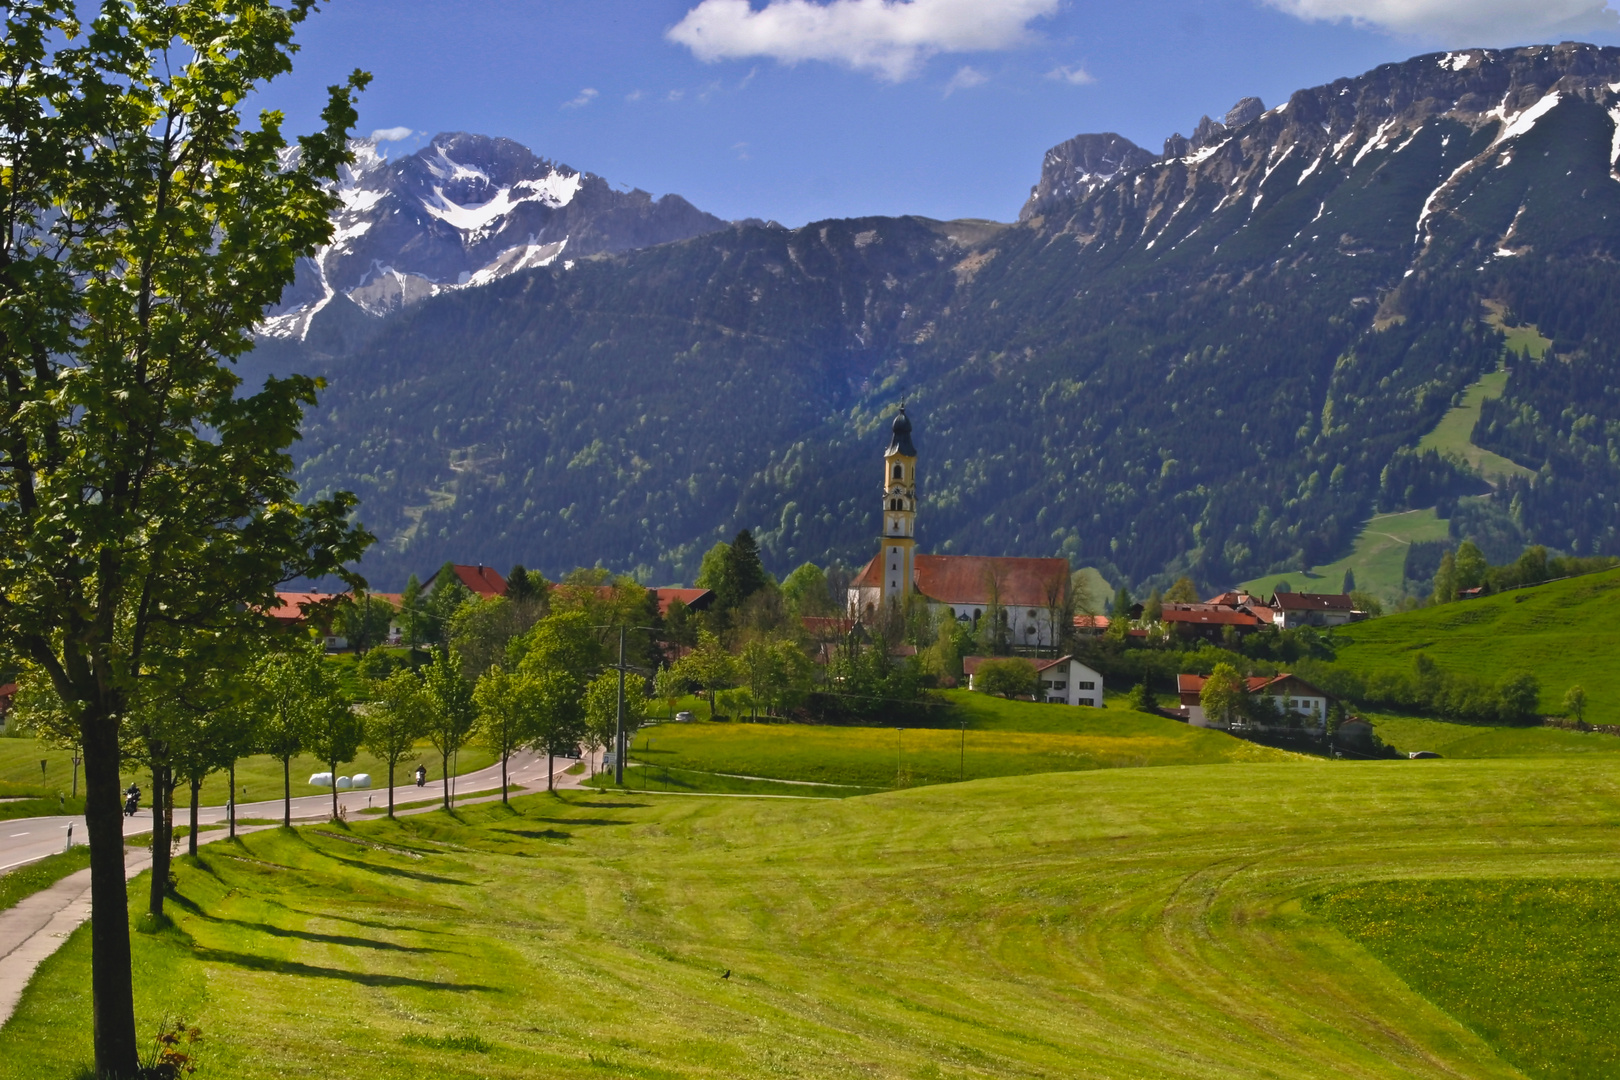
(1185, 921)
(1378, 558)
(989, 737)
(1563, 632)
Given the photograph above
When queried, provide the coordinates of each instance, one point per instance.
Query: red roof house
(482, 580)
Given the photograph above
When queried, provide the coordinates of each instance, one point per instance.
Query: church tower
(895, 560)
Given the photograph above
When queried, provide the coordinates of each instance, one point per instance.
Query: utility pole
(618, 723)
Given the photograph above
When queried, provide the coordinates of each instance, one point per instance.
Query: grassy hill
(1563, 632)
(1378, 558)
(1153, 923)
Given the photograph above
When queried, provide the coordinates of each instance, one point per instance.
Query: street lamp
(618, 725)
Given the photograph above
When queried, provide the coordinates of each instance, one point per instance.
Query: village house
(1064, 681)
(1293, 609)
(1029, 596)
(1290, 693)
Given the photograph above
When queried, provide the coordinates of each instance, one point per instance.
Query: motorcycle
(132, 801)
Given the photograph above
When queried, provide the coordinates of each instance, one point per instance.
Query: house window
(1060, 686)
(1047, 683)
(1085, 700)
(1032, 613)
(899, 472)
(1083, 685)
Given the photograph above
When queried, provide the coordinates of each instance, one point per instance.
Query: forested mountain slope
(1214, 361)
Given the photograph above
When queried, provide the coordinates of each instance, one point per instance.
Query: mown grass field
(1150, 923)
(1378, 558)
(1563, 632)
(1532, 965)
(261, 775)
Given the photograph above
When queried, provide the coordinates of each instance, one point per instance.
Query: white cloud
(1465, 22)
(966, 78)
(634, 95)
(586, 96)
(889, 37)
(393, 134)
(1074, 76)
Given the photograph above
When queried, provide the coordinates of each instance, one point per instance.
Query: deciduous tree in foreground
(146, 512)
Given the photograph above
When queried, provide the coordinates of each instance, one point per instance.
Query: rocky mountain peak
(465, 210)
(1080, 166)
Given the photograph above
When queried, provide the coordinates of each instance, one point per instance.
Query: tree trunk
(286, 792)
(504, 801)
(444, 766)
(333, 766)
(550, 757)
(196, 795)
(160, 843)
(231, 805)
(391, 789)
(112, 988)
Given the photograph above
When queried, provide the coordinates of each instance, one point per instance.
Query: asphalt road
(24, 840)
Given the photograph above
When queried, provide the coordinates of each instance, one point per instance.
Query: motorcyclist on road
(421, 775)
(132, 800)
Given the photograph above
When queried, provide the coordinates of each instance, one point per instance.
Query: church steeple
(899, 512)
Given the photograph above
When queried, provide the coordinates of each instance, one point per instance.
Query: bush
(1008, 677)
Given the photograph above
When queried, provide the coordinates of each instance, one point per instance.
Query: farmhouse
(1297, 699)
(1064, 681)
(1292, 609)
(1030, 597)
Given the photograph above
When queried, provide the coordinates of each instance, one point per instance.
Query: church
(1031, 595)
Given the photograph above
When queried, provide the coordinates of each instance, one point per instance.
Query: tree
(733, 572)
(452, 713)
(709, 667)
(1349, 585)
(1184, 591)
(506, 715)
(1141, 699)
(1575, 703)
(399, 715)
(805, 591)
(1517, 695)
(1009, 678)
(363, 620)
(560, 653)
(777, 673)
(601, 708)
(283, 688)
(447, 596)
(412, 612)
(1471, 566)
(668, 688)
(483, 627)
(146, 504)
(1153, 610)
(1366, 602)
(1445, 580)
(1224, 696)
(334, 730)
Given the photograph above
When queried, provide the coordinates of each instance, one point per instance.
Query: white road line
(17, 834)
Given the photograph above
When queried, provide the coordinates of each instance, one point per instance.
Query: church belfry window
(899, 471)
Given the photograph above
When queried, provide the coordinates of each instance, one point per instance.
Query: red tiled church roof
(966, 579)
(482, 580)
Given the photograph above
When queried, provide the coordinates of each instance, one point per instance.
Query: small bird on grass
(727, 975)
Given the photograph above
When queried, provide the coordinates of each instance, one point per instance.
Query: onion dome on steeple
(901, 443)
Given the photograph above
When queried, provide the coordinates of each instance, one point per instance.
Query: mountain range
(1215, 360)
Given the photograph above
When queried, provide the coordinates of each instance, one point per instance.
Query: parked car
(683, 717)
(1415, 754)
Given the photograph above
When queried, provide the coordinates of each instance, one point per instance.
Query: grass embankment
(1408, 733)
(1378, 558)
(1002, 738)
(1130, 922)
(1563, 632)
(261, 775)
(30, 878)
(1533, 967)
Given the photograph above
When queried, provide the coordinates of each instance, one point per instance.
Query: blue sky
(804, 109)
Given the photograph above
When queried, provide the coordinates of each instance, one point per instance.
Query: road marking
(17, 834)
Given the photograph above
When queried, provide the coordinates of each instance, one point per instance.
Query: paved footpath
(38, 925)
